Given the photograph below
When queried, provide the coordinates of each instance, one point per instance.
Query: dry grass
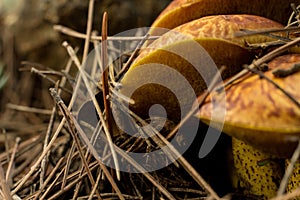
(43, 156)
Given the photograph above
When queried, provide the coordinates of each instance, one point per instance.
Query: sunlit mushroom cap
(259, 113)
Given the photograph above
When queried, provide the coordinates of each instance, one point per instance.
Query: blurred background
(27, 34)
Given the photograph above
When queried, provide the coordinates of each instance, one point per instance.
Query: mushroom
(179, 50)
(264, 124)
(181, 11)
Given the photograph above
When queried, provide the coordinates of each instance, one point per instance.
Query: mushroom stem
(291, 178)
(258, 172)
(294, 180)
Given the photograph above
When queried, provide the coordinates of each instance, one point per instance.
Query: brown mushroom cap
(215, 34)
(260, 114)
(217, 26)
(181, 11)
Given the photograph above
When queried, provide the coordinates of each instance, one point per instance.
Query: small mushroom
(264, 124)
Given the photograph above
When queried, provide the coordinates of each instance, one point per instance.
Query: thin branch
(88, 29)
(246, 32)
(42, 74)
(281, 73)
(67, 166)
(105, 88)
(12, 159)
(261, 74)
(5, 188)
(70, 32)
(77, 189)
(28, 109)
(289, 196)
(95, 187)
(289, 170)
(46, 141)
(105, 85)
